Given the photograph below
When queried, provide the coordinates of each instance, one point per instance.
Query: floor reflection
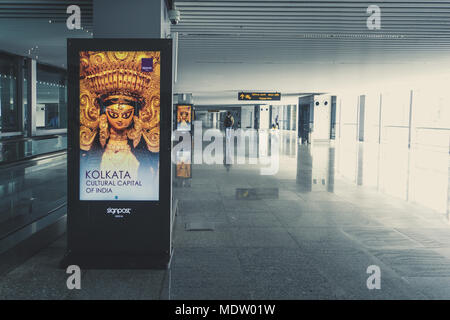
(30, 191)
(418, 175)
(16, 150)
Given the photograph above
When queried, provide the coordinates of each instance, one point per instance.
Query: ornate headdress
(119, 76)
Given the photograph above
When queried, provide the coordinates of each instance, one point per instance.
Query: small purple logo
(147, 64)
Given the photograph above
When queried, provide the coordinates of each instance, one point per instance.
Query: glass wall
(405, 150)
(25, 132)
(284, 116)
(9, 112)
(51, 104)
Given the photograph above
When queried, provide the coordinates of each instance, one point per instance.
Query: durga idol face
(184, 116)
(120, 116)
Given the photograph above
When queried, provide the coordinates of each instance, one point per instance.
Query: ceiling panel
(287, 46)
(37, 28)
(279, 45)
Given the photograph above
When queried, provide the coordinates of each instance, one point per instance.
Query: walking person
(228, 124)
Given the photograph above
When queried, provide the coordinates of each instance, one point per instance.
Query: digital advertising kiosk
(184, 123)
(184, 117)
(119, 144)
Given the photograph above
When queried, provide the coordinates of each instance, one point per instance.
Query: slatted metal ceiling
(249, 44)
(45, 10)
(37, 28)
(293, 46)
(307, 29)
(314, 27)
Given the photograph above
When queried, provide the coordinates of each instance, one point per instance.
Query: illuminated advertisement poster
(119, 125)
(184, 117)
(183, 165)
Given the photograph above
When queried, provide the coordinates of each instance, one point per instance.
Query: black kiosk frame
(142, 237)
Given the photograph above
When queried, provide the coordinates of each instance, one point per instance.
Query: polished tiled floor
(312, 239)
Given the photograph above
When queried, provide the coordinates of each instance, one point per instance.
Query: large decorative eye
(126, 115)
(112, 114)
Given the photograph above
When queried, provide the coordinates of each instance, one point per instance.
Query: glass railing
(31, 190)
(18, 149)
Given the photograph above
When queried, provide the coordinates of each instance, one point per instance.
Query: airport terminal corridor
(250, 150)
(307, 232)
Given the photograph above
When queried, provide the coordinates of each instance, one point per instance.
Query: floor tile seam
(391, 271)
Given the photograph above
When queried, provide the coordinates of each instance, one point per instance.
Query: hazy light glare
(420, 173)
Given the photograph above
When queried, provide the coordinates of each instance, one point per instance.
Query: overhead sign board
(265, 96)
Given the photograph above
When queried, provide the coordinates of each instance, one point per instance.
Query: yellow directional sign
(259, 96)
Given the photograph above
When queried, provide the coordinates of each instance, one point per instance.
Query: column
(131, 19)
(32, 97)
(185, 98)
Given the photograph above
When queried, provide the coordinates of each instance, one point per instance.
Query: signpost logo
(118, 212)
